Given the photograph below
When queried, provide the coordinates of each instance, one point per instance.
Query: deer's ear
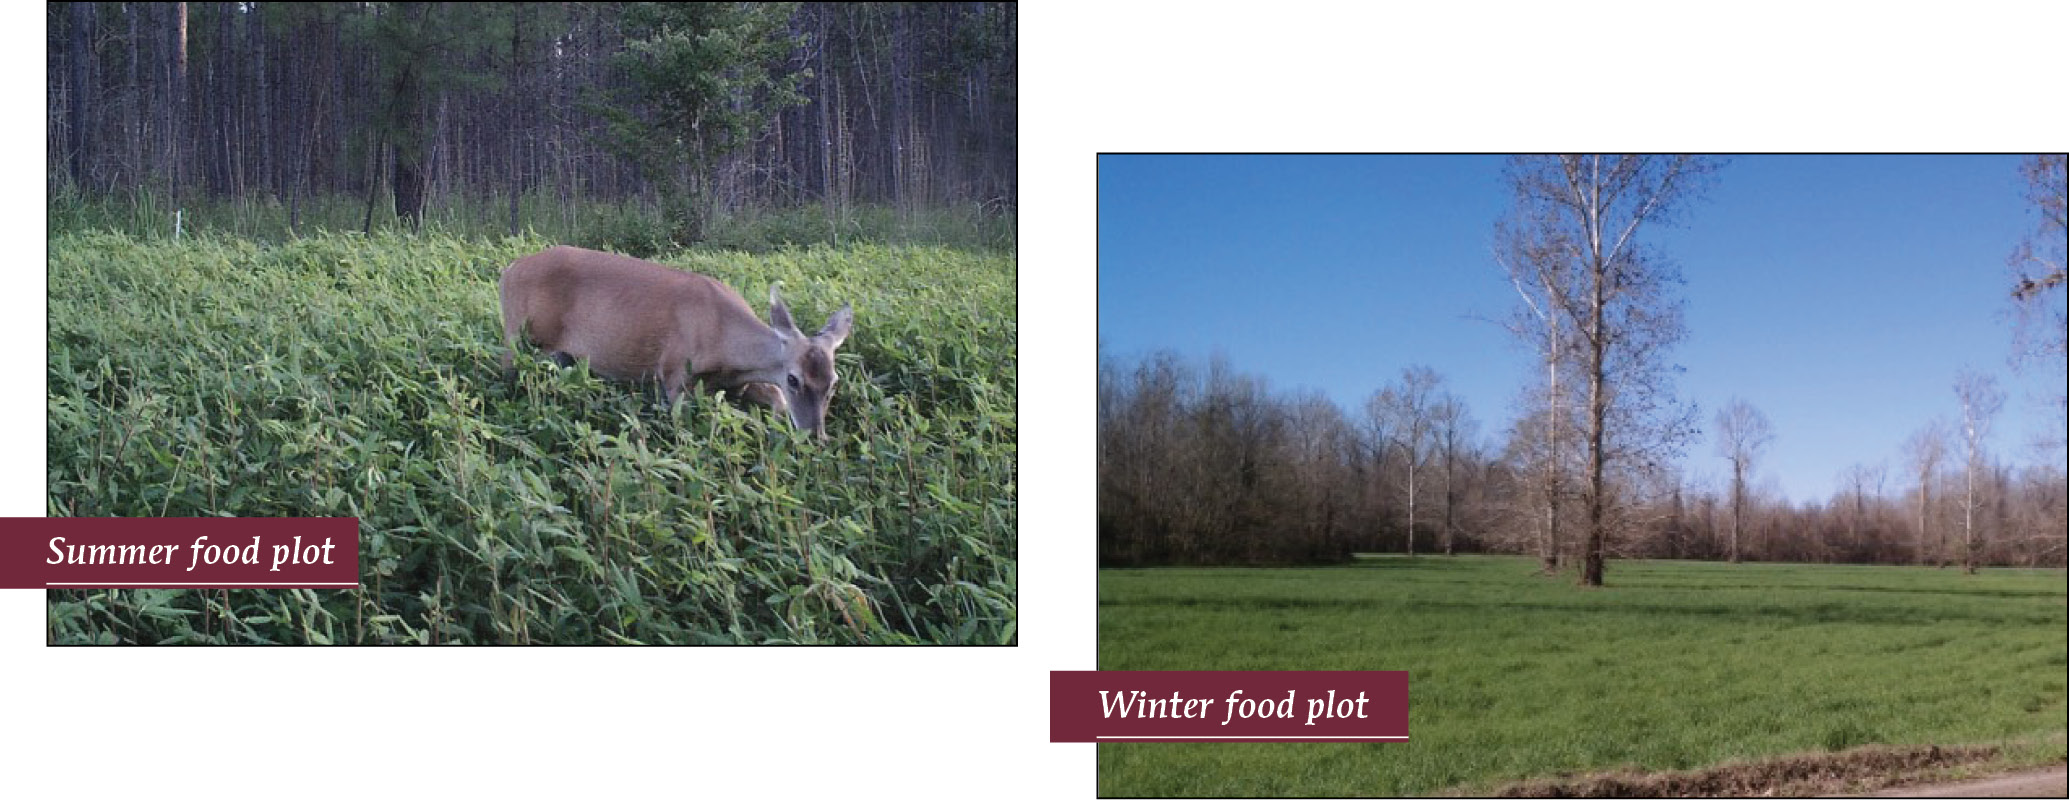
(779, 313)
(837, 328)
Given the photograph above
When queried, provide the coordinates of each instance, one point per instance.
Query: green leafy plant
(344, 375)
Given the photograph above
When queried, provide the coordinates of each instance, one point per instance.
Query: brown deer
(637, 321)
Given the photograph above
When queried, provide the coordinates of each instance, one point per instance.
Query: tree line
(1205, 464)
(701, 108)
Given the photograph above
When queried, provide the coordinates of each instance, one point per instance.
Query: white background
(583, 724)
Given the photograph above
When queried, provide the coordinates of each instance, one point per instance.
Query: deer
(636, 321)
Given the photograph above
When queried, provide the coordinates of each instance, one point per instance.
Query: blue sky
(1840, 295)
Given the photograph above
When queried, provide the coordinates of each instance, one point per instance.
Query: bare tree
(1743, 432)
(1412, 408)
(1148, 454)
(2038, 291)
(1318, 433)
(1980, 401)
(1453, 431)
(1533, 261)
(1202, 465)
(1540, 483)
(2042, 526)
(1924, 450)
(1857, 480)
(1379, 447)
(2038, 264)
(1580, 216)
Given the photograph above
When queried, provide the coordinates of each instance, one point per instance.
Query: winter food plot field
(1674, 667)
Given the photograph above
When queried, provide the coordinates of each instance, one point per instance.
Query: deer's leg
(672, 382)
(510, 332)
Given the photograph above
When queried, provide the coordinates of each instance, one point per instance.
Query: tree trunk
(1449, 502)
(407, 163)
(1924, 504)
(406, 121)
(373, 181)
(517, 107)
(176, 115)
(1598, 420)
(80, 93)
(1968, 515)
(1554, 346)
(823, 140)
(1738, 505)
(265, 131)
(1411, 504)
(132, 111)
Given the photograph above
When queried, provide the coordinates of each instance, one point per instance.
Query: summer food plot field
(1674, 666)
(353, 376)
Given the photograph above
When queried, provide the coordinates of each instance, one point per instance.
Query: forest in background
(1207, 464)
(682, 116)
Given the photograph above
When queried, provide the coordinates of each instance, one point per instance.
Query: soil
(2043, 783)
(1908, 771)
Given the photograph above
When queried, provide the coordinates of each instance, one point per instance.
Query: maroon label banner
(179, 553)
(1290, 706)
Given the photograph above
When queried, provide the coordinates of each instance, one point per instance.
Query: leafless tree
(1857, 480)
(1453, 432)
(2042, 510)
(2038, 265)
(1534, 261)
(1924, 450)
(1379, 443)
(2038, 294)
(1318, 436)
(1412, 408)
(1144, 452)
(1980, 401)
(1535, 511)
(1579, 217)
(1743, 432)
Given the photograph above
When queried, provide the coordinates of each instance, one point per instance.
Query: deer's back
(618, 312)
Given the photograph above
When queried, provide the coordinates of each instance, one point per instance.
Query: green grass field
(342, 375)
(1673, 666)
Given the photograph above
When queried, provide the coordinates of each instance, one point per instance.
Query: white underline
(1258, 737)
(198, 583)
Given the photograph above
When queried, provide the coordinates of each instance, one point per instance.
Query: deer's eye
(794, 384)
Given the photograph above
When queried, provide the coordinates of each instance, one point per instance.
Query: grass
(1674, 666)
(342, 375)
